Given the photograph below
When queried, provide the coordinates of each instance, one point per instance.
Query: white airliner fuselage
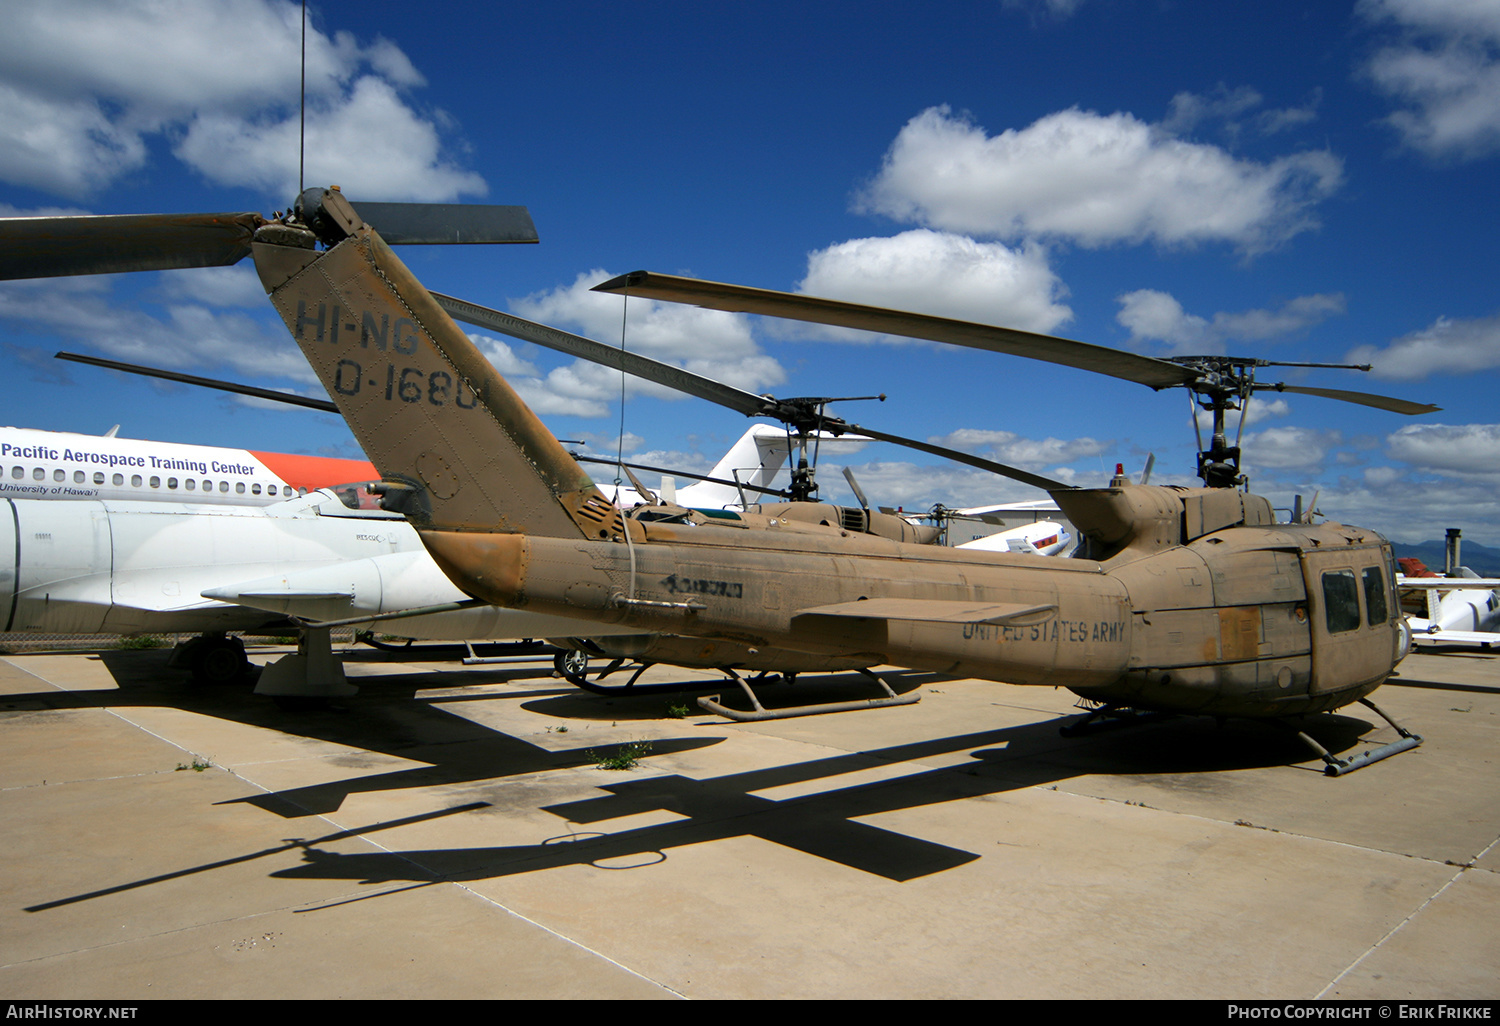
(61, 465)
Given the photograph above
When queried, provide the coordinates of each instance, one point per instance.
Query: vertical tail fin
(754, 460)
(461, 449)
(770, 452)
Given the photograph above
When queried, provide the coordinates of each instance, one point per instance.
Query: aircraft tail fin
(754, 460)
(770, 453)
(456, 446)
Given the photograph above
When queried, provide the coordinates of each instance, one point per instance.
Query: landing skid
(712, 704)
(1336, 767)
(760, 712)
(1111, 717)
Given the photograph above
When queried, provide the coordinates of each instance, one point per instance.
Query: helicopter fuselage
(1256, 619)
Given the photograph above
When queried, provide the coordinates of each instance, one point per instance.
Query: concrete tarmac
(447, 833)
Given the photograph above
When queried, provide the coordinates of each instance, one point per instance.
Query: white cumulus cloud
(188, 336)
(1016, 450)
(1094, 179)
(1157, 316)
(1281, 448)
(85, 84)
(1456, 450)
(1444, 71)
(1447, 346)
(943, 274)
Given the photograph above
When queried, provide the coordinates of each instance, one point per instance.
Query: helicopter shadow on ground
(384, 718)
(388, 717)
(822, 823)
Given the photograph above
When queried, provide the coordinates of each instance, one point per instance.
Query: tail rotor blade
(439, 224)
(48, 247)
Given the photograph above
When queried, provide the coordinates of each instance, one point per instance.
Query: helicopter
(1180, 600)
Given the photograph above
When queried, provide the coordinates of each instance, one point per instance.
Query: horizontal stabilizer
(1007, 614)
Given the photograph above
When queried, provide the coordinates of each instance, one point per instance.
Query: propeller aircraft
(1179, 600)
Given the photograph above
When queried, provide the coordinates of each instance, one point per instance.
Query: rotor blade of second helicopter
(697, 385)
(780, 494)
(290, 398)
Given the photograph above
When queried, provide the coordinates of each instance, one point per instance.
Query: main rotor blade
(736, 399)
(1146, 370)
(697, 385)
(290, 398)
(50, 247)
(1014, 473)
(438, 224)
(1380, 402)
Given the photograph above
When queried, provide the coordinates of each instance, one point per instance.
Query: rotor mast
(1223, 383)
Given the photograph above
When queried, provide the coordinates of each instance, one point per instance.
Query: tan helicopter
(1190, 600)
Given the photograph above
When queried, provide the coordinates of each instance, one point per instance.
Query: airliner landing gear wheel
(217, 660)
(572, 665)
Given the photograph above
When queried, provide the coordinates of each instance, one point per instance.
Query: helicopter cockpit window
(1341, 599)
(1375, 604)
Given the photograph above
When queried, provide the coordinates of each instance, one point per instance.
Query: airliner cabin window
(189, 484)
(255, 489)
(39, 474)
(99, 477)
(78, 476)
(1375, 604)
(18, 472)
(59, 475)
(239, 488)
(1341, 597)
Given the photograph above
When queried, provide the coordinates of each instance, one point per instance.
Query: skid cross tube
(760, 712)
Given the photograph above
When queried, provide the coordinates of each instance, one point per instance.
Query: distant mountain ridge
(1482, 559)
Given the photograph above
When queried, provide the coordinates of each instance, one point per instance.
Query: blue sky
(1293, 181)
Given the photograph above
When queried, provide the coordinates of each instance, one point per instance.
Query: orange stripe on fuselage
(312, 472)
